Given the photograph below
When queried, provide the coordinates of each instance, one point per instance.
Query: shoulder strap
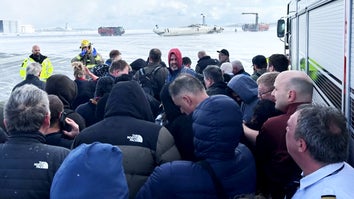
(156, 69)
(217, 184)
(141, 71)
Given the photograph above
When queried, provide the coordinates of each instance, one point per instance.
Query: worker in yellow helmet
(88, 56)
(36, 56)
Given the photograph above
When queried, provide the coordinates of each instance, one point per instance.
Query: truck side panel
(318, 45)
(326, 51)
(319, 40)
(350, 62)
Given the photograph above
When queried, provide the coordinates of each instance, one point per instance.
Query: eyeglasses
(260, 94)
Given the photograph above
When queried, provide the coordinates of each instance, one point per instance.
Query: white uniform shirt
(334, 179)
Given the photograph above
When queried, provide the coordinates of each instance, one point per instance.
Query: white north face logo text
(41, 165)
(135, 138)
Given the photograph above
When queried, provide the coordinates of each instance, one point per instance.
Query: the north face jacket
(126, 124)
(27, 166)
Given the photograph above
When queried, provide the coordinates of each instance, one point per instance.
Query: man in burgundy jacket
(276, 169)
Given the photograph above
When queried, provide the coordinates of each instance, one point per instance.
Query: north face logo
(41, 165)
(135, 138)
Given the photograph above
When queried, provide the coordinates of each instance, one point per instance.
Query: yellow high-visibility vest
(47, 68)
(90, 61)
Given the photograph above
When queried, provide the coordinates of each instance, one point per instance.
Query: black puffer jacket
(218, 88)
(31, 79)
(27, 166)
(126, 124)
(204, 62)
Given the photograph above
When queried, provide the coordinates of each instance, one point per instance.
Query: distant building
(27, 29)
(7, 26)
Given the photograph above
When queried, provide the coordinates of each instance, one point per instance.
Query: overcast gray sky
(138, 14)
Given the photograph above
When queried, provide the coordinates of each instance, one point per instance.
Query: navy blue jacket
(27, 165)
(217, 126)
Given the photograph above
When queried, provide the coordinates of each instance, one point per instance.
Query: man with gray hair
(214, 81)
(33, 71)
(187, 93)
(216, 143)
(237, 68)
(317, 139)
(27, 164)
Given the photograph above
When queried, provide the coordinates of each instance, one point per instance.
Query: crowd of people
(151, 129)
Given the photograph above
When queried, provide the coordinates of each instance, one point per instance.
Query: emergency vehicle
(318, 38)
(111, 31)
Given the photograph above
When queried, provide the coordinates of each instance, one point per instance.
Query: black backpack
(147, 81)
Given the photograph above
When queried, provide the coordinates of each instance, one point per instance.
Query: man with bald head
(276, 167)
(37, 57)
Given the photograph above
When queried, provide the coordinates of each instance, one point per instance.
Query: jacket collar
(292, 107)
(29, 136)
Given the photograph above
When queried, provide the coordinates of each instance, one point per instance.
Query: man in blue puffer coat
(217, 127)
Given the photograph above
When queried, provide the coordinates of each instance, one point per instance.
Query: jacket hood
(178, 55)
(245, 87)
(104, 85)
(127, 98)
(217, 127)
(91, 171)
(63, 87)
